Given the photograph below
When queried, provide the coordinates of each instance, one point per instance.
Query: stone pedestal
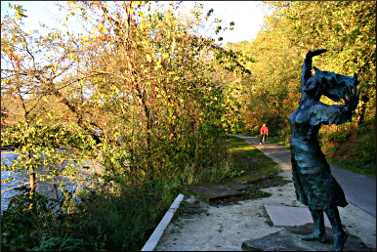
(289, 239)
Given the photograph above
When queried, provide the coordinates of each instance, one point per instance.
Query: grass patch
(249, 162)
(356, 166)
(248, 171)
(244, 163)
(353, 149)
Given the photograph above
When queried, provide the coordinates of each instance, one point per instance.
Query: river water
(10, 180)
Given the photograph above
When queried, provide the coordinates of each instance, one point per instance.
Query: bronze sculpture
(314, 184)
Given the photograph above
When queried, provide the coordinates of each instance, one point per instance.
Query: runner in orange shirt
(263, 134)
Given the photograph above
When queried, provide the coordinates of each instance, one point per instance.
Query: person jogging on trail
(263, 134)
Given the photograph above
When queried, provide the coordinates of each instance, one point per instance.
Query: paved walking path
(360, 190)
(226, 227)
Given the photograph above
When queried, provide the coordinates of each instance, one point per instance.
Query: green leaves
(19, 11)
(45, 149)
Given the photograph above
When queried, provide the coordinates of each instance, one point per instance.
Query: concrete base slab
(289, 239)
(285, 216)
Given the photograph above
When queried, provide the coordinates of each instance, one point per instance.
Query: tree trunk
(147, 112)
(33, 185)
(360, 120)
(32, 182)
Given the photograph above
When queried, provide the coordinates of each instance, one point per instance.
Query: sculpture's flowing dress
(314, 184)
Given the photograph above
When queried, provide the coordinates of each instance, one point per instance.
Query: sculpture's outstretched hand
(311, 54)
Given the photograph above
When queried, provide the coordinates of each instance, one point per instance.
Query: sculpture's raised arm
(307, 66)
(330, 114)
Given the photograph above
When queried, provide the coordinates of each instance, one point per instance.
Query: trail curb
(153, 240)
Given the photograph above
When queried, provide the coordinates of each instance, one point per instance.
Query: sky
(247, 15)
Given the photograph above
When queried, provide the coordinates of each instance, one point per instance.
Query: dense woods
(150, 101)
(347, 30)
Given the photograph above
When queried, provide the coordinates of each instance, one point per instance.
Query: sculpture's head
(332, 85)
